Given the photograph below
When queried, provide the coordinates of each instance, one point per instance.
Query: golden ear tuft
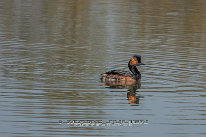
(133, 61)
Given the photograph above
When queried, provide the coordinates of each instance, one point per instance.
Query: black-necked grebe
(119, 75)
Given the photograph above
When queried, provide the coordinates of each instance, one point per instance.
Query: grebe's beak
(138, 64)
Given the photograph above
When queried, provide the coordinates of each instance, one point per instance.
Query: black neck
(134, 70)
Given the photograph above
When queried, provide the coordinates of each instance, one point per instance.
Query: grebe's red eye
(136, 61)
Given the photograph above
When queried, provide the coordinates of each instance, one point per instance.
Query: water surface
(53, 52)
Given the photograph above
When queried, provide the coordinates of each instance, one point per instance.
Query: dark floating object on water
(119, 77)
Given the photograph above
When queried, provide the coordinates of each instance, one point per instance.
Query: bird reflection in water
(132, 89)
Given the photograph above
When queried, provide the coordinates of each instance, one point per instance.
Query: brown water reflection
(132, 89)
(53, 52)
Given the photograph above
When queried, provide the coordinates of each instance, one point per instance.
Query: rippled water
(53, 52)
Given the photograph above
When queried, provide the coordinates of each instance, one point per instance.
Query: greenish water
(53, 52)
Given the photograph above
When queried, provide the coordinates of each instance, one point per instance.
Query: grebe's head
(135, 61)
